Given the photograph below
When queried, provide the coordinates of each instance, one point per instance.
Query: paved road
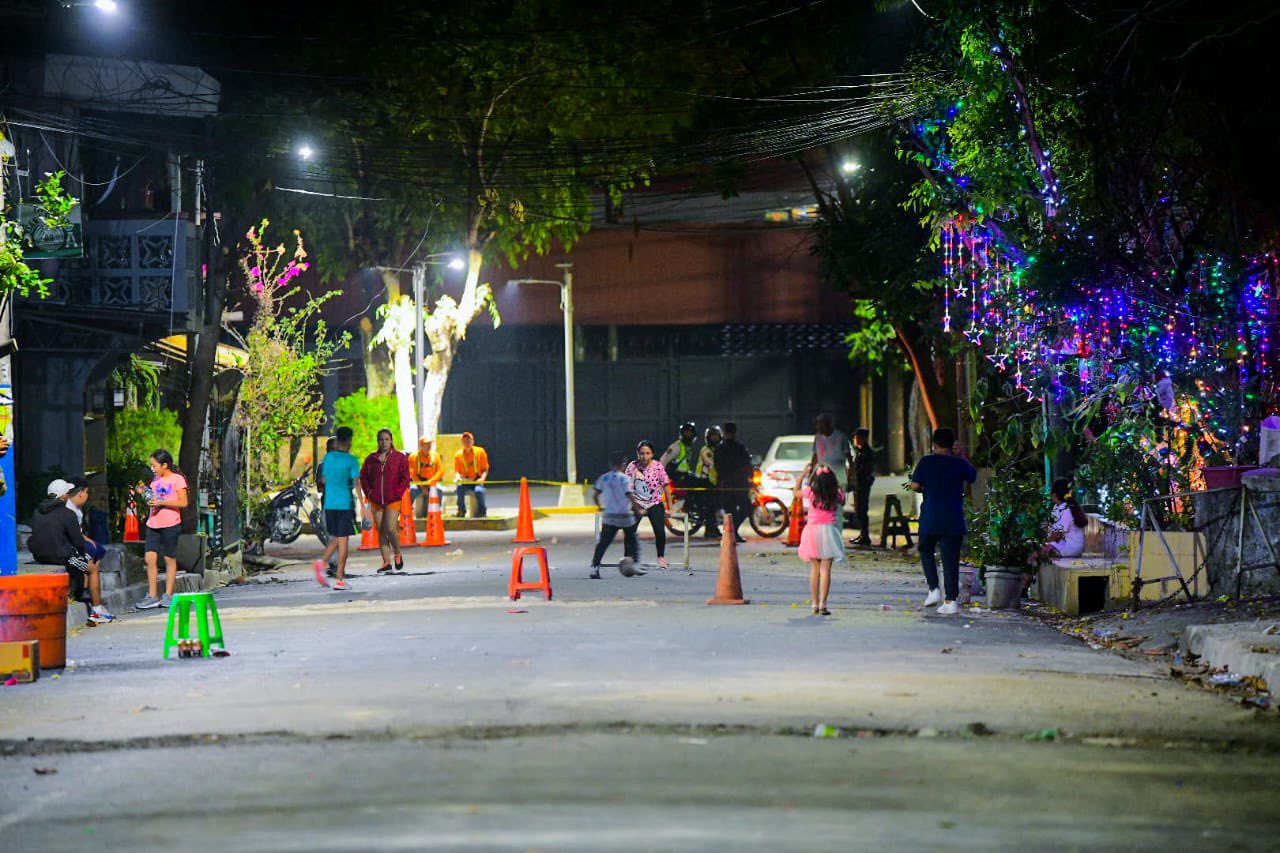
(425, 711)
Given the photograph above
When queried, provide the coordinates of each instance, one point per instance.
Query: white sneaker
(934, 597)
(949, 608)
(100, 616)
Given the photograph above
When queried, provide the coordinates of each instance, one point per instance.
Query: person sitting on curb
(471, 464)
(56, 538)
(425, 472)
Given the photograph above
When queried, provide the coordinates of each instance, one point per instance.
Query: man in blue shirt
(339, 471)
(942, 476)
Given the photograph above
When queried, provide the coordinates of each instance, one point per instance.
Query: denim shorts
(163, 540)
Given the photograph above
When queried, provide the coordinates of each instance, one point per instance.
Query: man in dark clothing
(863, 476)
(733, 476)
(56, 538)
(942, 476)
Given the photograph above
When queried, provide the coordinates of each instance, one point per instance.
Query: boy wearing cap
(56, 538)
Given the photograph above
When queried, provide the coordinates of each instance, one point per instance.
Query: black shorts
(340, 522)
(163, 540)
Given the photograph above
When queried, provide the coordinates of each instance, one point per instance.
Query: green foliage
(1012, 526)
(15, 274)
(54, 199)
(140, 382)
(133, 436)
(288, 350)
(366, 415)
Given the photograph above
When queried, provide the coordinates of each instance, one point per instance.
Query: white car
(783, 464)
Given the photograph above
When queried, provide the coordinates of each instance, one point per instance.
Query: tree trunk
(445, 327)
(937, 395)
(203, 365)
(404, 398)
(379, 379)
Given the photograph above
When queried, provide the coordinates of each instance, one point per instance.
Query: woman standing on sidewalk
(166, 497)
(649, 481)
(820, 543)
(384, 478)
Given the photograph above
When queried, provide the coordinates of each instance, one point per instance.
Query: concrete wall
(1218, 514)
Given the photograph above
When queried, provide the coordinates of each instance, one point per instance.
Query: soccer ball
(627, 566)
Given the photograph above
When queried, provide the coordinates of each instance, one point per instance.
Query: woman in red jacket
(384, 479)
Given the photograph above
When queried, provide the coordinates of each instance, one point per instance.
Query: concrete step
(1244, 648)
(122, 600)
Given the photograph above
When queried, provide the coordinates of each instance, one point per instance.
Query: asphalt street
(427, 711)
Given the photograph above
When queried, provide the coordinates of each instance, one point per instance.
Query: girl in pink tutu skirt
(821, 543)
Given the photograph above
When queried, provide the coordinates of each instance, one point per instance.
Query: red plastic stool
(517, 572)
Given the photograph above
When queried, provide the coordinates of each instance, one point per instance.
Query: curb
(1244, 648)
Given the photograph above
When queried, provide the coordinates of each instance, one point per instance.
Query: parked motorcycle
(283, 520)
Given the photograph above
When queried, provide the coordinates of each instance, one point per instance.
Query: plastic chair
(208, 627)
(517, 572)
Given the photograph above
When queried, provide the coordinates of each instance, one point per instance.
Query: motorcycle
(769, 516)
(283, 520)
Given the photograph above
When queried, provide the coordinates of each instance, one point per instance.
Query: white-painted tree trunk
(404, 398)
(445, 327)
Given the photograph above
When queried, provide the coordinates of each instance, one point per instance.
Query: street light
(570, 495)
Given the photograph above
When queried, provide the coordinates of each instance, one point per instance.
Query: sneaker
(712, 534)
(341, 586)
(386, 570)
(595, 573)
(99, 616)
(934, 597)
(949, 608)
(332, 571)
(738, 539)
(318, 568)
(166, 600)
(150, 602)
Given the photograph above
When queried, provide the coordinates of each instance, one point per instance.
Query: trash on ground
(928, 733)
(517, 611)
(1105, 633)
(978, 729)
(1225, 678)
(825, 730)
(885, 607)
(1043, 734)
(44, 771)
(947, 650)
(694, 741)
(221, 653)
(456, 552)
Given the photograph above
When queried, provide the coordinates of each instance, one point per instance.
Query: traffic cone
(435, 521)
(729, 584)
(408, 530)
(797, 522)
(131, 531)
(524, 524)
(368, 538)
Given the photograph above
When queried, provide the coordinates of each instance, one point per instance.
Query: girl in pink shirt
(820, 543)
(166, 497)
(649, 483)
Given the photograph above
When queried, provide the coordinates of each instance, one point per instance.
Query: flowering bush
(1012, 526)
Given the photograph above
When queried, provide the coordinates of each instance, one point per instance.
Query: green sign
(43, 240)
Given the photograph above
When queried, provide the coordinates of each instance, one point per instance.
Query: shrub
(366, 415)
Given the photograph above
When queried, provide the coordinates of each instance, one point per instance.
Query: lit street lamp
(570, 495)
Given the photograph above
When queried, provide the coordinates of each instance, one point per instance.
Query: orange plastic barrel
(34, 607)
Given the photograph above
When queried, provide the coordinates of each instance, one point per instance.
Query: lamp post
(570, 495)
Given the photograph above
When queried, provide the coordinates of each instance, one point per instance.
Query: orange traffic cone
(369, 537)
(729, 584)
(524, 524)
(435, 521)
(797, 522)
(131, 531)
(408, 530)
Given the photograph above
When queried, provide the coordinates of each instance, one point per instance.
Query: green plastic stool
(180, 608)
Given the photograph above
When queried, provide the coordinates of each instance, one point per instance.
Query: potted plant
(1007, 535)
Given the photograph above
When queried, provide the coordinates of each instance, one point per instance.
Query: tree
(487, 130)
(280, 395)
